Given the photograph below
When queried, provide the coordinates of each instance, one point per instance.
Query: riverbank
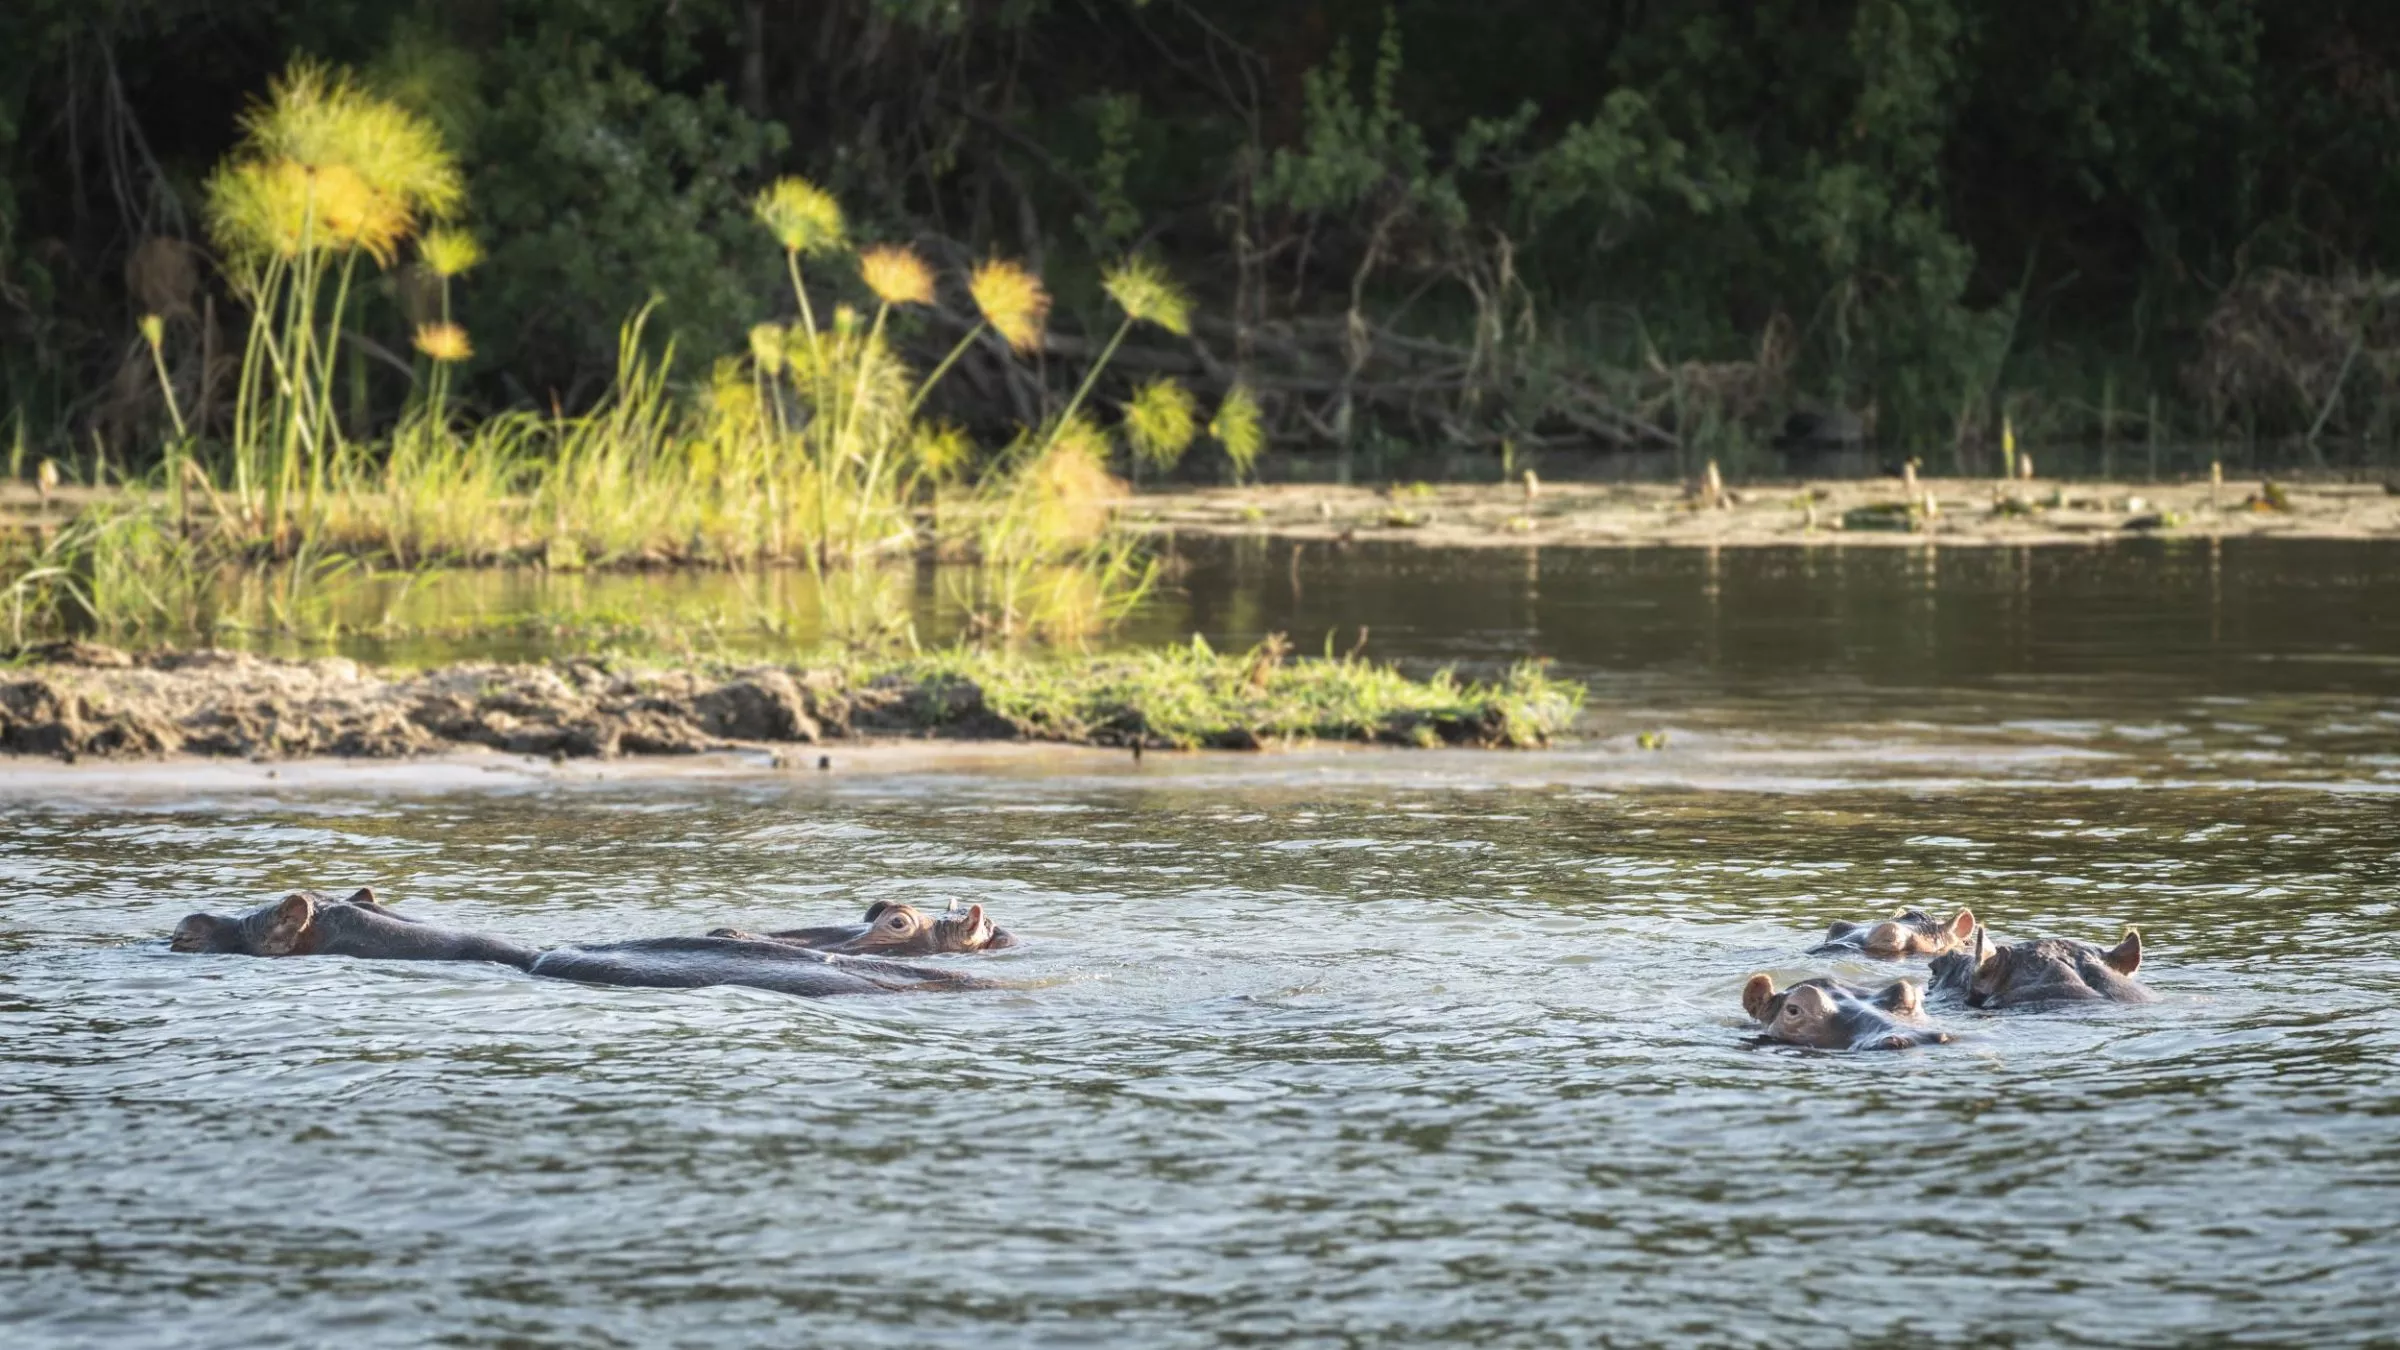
(1972, 511)
(71, 701)
(1817, 511)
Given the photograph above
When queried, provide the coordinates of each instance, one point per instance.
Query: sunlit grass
(1190, 696)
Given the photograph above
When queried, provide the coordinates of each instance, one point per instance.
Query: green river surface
(1310, 1049)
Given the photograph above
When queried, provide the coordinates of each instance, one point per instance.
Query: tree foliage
(1938, 198)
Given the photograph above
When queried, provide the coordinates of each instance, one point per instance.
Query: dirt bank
(1872, 511)
(75, 700)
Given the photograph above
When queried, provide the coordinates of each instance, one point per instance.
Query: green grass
(1190, 697)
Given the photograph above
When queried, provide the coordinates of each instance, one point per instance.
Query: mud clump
(83, 700)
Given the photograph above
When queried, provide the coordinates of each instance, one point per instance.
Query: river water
(1311, 1049)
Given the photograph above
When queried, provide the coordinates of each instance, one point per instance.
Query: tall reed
(324, 173)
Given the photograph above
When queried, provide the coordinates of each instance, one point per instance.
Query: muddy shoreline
(1870, 512)
(1839, 511)
(75, 701)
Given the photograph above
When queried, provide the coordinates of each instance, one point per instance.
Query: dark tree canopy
(1912, 203)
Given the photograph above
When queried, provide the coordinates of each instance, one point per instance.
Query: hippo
(306, 923)
(893, 929)
(692, 963)
(1833, 1016)
(1911, 932)
(1986, 974)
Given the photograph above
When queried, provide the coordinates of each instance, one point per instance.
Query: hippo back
(698, 962)
(306, 923)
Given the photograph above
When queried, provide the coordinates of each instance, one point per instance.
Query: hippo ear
(287, 927)
(364, 895)
(1963, 924)
(1756, 995)
(2126, 957)
(974, 917)
(1901, 996)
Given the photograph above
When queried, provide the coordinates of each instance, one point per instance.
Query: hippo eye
(1792, 1011)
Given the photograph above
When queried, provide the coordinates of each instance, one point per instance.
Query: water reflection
(1765, 620)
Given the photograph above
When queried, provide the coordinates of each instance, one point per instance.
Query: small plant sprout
(1239, 428)
(1160, 422)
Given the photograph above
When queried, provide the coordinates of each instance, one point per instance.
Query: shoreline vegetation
(78, 700)
(821, 443)
(811, 447)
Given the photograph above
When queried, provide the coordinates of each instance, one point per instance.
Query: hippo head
(209, 933)
(1953, 971)
(1833, 1016)
(1911, 932)
(893, 929)
(286, 927)
(2045, 970)
(969, 930)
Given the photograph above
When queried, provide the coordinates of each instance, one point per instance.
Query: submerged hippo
(306, 923)
(1986, 974)
(1911, 932)
(693, 963)
(894, 929)
(1833, 1016)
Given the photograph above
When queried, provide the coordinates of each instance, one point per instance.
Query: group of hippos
(1968, 967)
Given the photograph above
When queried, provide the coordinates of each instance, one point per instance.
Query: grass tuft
(1190, 697)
